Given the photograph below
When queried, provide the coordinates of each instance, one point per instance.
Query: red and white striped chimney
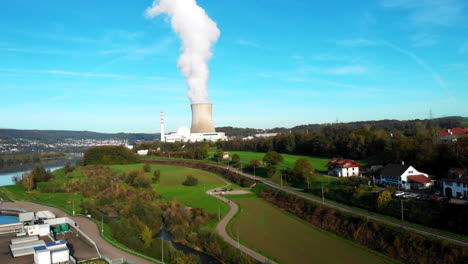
(162, 127)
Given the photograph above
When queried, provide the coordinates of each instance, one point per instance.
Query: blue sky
(102, 66)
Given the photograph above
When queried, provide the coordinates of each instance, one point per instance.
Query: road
(456, 240)
(86, 225)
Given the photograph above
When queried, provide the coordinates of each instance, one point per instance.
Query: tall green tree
(272, 159)
(236, 161)
(302, 172)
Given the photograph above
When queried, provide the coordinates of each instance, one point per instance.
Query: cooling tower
(202, 121)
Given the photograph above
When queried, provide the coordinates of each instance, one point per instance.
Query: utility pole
(238, 245)
(323, 195)
(73, 202)
(162, 250)
(254, 170)
(281, 175)
(401, 211)
(102, 224)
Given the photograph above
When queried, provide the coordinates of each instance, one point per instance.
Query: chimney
(163, 135)
(202, 121)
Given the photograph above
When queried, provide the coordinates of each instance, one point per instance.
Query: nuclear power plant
(202, 127)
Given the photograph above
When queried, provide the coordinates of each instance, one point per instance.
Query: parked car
(444, 199)
(397, 194)
(406, 195)
(420, 197)
(433, 198)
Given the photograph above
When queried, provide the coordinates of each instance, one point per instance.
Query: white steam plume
(198, 33)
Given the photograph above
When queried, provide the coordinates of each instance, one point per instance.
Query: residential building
(343, 167)
(456, 183)
(404, 177)
(452, 134)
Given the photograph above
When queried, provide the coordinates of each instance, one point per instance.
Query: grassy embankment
(288, 239)
(170, 187)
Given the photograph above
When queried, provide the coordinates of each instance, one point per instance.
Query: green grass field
(290, 240)
(289, 159)
(170, 186)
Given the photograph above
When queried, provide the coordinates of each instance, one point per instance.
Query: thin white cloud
(419, 61)
(348, 70)
(420, 12)
(244, 42)
(33, 51)
(359, 42)
(80, 74)
(423, 40)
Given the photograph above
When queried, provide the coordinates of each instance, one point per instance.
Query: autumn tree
(236, 161)
(302, 172)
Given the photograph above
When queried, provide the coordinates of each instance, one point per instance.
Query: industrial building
(202, 127)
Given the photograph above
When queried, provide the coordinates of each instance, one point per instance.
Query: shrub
(107, 155)
(190, 181)
(156, 176)
(146, 168)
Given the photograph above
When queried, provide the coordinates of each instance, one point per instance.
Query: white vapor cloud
(441, 12)
(198, 33)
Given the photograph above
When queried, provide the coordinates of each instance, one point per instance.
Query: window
(458, 184)
(410, 172)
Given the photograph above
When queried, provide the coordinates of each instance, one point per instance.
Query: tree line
(418, 145)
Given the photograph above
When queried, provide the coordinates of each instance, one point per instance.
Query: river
(7, 173)
(204, 258)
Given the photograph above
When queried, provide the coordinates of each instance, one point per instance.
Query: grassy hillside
(290, 240)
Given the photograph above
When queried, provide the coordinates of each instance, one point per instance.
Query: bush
(156, 176)
(190, 181)
(108, 155)
(146, 168)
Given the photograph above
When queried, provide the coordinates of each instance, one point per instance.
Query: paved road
(86, 225)
(344, 208)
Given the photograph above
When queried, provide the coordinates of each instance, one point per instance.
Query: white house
(456, 183)
(343, 167)
(404, 176)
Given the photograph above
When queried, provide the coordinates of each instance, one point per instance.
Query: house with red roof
(452, 134)
(404, 177)
(343, 167)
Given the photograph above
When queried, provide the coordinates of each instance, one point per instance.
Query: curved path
(221, 228)
(426, 232)
(86, 225)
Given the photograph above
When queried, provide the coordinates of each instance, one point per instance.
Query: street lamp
(401, 200)
(102, 223)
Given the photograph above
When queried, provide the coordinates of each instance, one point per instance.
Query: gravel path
(86, 225)
(221, 227)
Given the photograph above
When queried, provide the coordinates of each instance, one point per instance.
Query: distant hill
(60, 135)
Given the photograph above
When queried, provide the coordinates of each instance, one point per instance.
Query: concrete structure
(24, 217)
(265, 135)
(162, 127)
(202, 121)
(52, 253)
(456, 183)
(343, 167)
(44, 215)
(404, 177)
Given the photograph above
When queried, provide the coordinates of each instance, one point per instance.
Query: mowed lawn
(170, 186)
(290, 240)
(289, 159)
